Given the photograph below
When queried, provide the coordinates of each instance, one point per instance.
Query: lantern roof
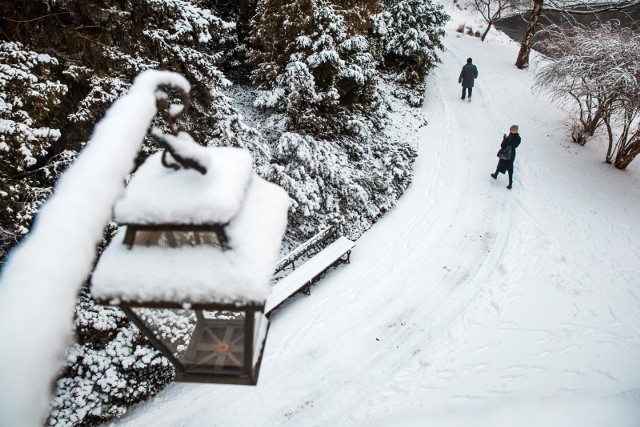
(161, 195)
(231, 193)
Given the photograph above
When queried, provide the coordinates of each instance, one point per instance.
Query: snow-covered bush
(596, 71)
(28, 165)
(410, 33)
(316, 67)
(340, 179)
(108, 369)
(103, 47)
(318, 71)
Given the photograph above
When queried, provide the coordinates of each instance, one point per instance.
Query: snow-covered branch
(43, 275)
(588, 9)
(598, 68)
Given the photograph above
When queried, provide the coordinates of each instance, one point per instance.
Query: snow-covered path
(466, 292)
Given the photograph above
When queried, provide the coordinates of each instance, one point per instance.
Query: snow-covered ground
(468, 304)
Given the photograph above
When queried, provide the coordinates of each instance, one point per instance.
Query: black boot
(509, 186)
(494, 175)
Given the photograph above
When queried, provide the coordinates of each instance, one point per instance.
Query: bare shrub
(596, 71)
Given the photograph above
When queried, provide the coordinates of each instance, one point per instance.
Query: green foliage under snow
(321, 133)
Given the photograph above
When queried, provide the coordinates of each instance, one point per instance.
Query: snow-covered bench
(302, 277)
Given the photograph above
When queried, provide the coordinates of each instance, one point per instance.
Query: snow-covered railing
(43, 275)
(303, 277)
(303, 249)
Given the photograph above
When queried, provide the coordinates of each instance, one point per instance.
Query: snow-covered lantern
(191, 264)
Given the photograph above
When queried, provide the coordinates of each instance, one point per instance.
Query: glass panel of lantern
(196, 342)
(206, 345)
(171, 238)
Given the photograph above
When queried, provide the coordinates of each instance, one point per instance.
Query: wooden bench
(302, 277)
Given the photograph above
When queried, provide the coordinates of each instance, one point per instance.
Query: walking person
(467, 76)
(507, 154)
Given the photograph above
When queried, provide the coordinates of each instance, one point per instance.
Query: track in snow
(463, 292)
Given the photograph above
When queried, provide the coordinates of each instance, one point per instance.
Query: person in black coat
(467, 76)
(506, 165)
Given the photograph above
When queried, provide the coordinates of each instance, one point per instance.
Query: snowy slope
(467, 296)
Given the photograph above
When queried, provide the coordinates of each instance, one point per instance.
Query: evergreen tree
(344, 179)
(410, 32)
(28, 132)
(333, 61)
(109, 368)
(101, 49)
(317, 68)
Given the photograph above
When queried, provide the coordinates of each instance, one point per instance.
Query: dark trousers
(509, 171)
(470, 89)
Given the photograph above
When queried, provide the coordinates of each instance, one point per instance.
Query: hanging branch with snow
(62, 243)
(567, 9)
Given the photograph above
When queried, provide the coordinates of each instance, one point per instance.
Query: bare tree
(527, 41)
(597, 70)
(567, 9)
(491, 11)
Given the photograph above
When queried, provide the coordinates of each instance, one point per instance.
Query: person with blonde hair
(507, 154)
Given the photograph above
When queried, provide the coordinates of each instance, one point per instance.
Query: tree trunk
(527, 41)
(594, 122)
(623, 161)
(609, 156)
(486, 31)
(243, 20)
(629, 149)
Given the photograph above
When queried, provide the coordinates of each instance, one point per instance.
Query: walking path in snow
(466, 293)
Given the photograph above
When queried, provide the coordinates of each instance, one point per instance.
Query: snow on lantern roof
(161, 195)
(213, 186)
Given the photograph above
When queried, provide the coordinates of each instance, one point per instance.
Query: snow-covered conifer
(316, 67)
(28, 165)
(411, 33)
(110, 368)
(344, 178)
(320, 48)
